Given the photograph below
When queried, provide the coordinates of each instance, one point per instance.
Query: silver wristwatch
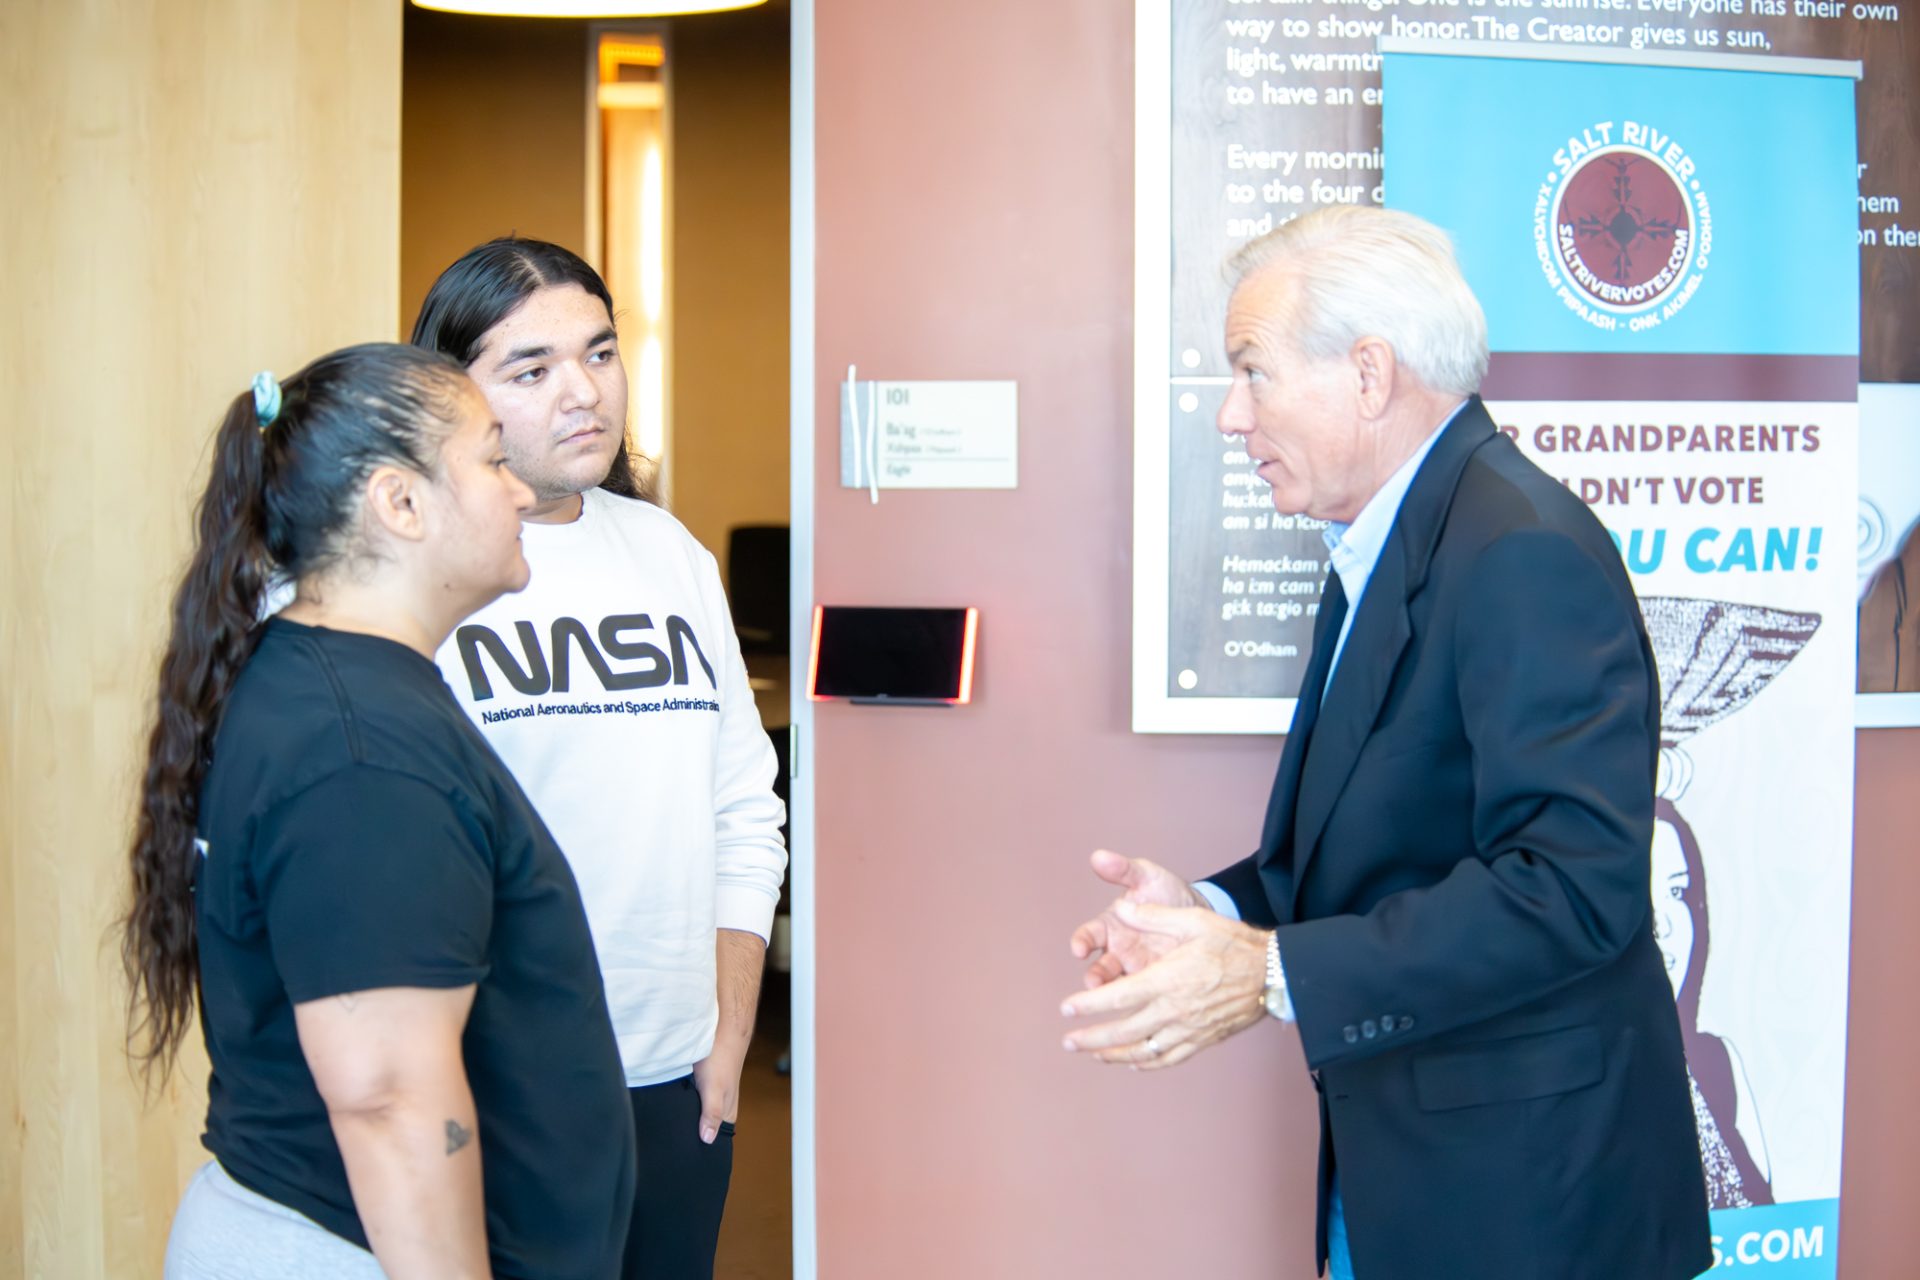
(1275, 995)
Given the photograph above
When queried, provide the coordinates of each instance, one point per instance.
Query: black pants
(682, 1188)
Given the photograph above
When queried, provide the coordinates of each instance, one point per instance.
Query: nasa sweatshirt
(614, 690)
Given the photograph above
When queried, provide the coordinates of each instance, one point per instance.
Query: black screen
(890, 653)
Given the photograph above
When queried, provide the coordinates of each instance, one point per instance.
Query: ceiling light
(585, 8)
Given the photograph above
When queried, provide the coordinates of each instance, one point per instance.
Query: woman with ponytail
(413, 1068)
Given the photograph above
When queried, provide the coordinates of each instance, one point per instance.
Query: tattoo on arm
(350, 1001)
(457, 1137)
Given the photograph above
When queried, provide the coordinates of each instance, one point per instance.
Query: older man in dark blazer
(1450, 895)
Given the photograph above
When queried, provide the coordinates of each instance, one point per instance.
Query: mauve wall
(975, 171)
(974, 221)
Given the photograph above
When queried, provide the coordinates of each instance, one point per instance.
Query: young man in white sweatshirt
(614, 689)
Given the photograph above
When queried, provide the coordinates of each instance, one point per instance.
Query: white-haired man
(1450, 895)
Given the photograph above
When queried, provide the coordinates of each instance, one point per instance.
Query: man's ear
(396, 504)
(1376, 368)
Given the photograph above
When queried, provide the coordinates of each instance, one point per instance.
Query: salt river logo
(1622, 226)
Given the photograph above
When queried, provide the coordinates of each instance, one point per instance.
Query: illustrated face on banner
(1672, 916)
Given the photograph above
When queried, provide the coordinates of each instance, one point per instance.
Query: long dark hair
(280, 503)
(1694, 899)
(485, 286)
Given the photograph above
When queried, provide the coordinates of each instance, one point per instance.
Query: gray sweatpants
(222, 1231)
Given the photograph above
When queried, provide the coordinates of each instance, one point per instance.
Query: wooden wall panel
(194, 191)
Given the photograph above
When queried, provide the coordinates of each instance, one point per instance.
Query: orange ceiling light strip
(624, 51)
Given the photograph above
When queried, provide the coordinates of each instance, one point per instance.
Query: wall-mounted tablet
(902, 657)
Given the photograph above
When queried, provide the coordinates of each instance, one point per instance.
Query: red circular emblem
(1623, 229)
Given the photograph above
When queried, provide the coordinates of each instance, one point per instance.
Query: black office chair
(758, 557)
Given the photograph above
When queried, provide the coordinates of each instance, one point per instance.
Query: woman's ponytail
(214, 621)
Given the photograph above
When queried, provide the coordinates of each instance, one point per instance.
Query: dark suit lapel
(1379, 637)
(1380, 633)
(1286, 782)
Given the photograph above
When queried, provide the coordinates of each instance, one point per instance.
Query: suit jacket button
(1387, 1023)
(1369, 1028)
(1352, 1034)
(1406, 1023)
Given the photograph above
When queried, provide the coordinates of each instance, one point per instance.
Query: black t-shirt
(357, 833)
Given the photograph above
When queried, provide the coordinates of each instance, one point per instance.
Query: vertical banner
(1668, 257)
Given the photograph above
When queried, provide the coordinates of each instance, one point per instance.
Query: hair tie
(266, 399)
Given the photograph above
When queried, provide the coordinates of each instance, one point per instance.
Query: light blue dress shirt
(1355, 548)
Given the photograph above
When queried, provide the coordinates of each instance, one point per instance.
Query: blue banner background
(1797, 1241)
(1775, 155)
